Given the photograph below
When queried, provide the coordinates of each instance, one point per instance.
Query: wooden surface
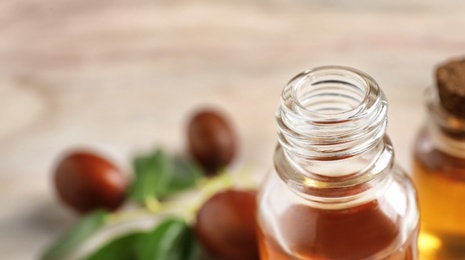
(123, 76)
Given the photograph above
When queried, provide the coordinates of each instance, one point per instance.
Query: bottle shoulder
(433, 155)
(396, 189)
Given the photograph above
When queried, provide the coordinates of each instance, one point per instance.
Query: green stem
(207, 188)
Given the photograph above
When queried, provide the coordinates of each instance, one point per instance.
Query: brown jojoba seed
(226, 225)
(86, 181)
(211, 140)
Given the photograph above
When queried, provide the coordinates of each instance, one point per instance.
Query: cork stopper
(450, 81)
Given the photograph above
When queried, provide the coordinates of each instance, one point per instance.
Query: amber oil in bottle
(439, 167)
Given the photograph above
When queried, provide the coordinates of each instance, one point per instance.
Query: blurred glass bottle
(439, 166)
(335, 191)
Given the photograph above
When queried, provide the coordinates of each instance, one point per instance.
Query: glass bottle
(439, 175)
(335, 191)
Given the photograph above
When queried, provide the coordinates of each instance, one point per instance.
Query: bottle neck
(331, 132)
(446, 130)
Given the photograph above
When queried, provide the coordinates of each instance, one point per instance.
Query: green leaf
(85, 228)
(173, 239)
(153, 174)
(158, 175)
(189, 247)
(121, 248)
(185, 176)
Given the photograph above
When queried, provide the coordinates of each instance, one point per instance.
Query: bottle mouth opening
(331, 111)
(330, 93)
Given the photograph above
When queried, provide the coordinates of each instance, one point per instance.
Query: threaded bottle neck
(331, 129)
(331, 112)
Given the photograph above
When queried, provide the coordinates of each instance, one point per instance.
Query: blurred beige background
(124, 76)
